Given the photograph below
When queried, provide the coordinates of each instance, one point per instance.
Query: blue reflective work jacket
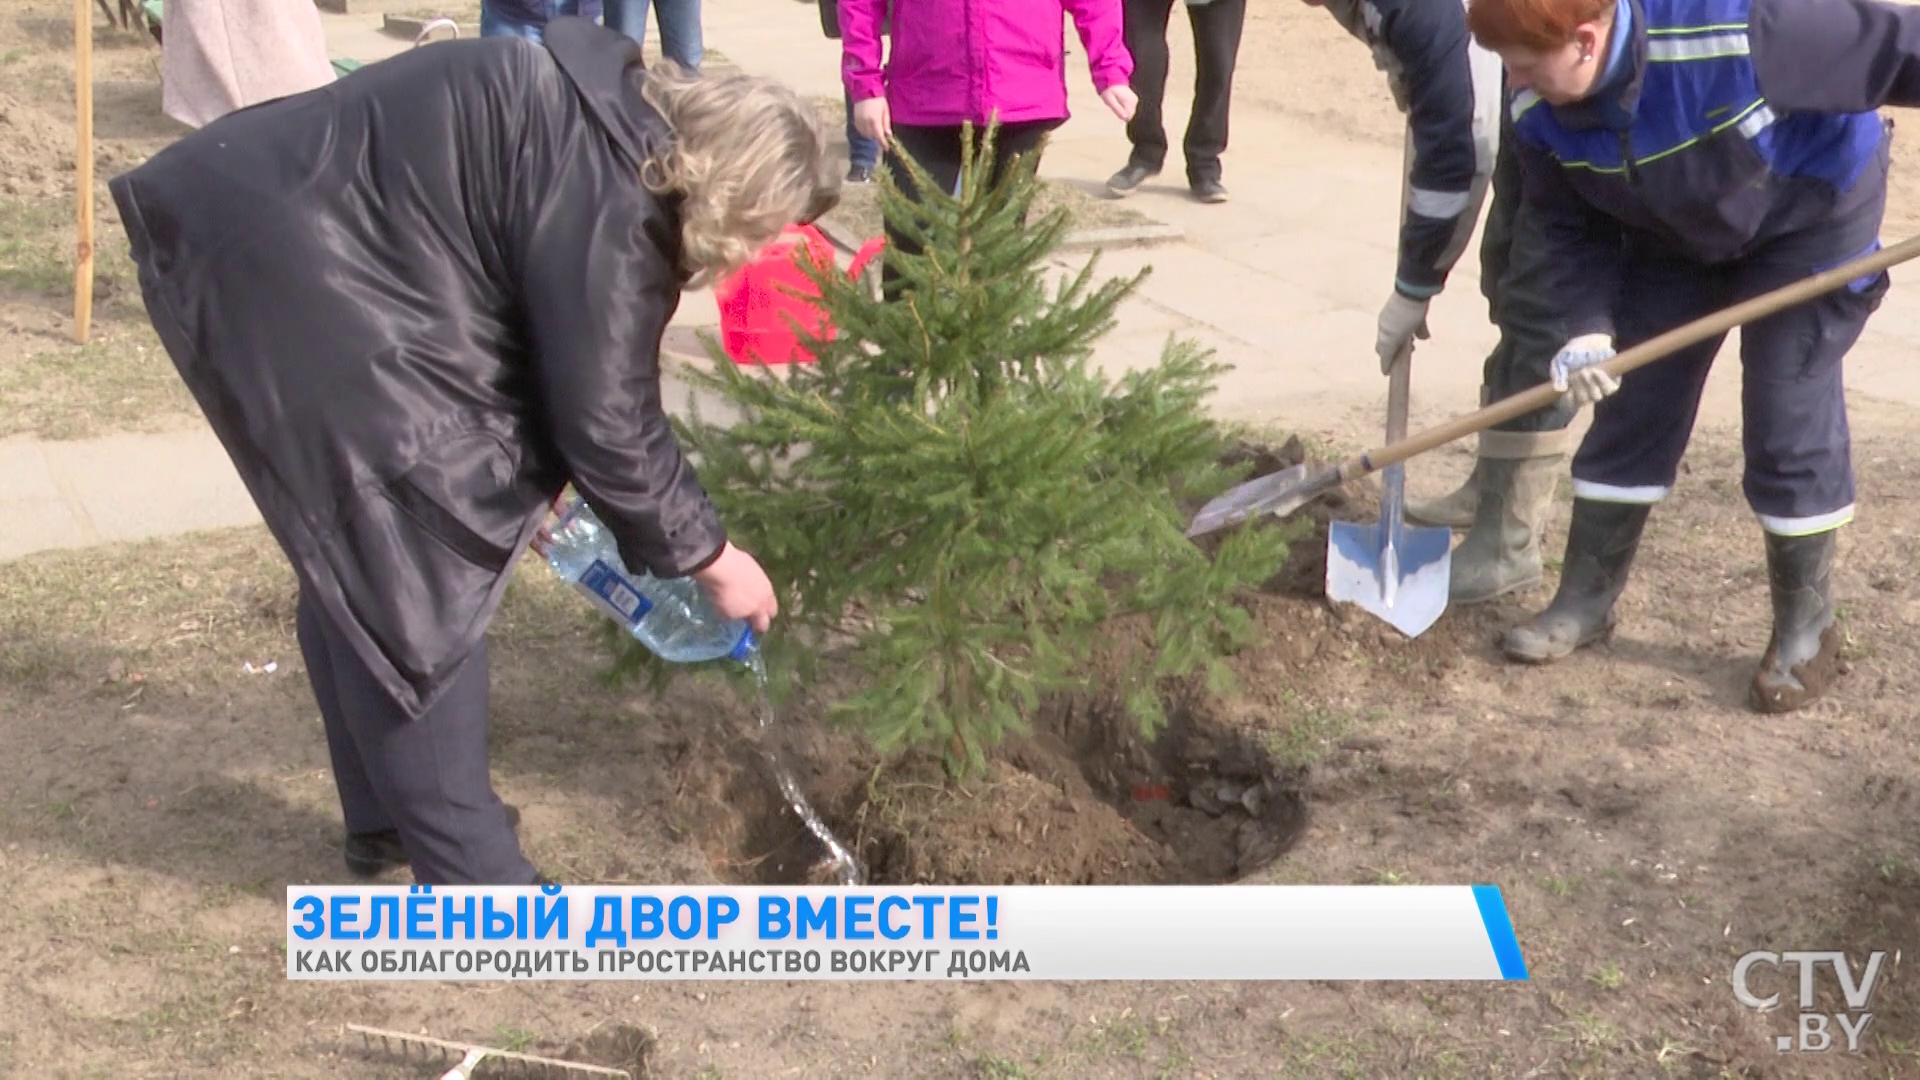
(1451, 92)
(1721, 125)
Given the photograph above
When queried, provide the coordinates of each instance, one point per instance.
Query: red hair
(1536, 25)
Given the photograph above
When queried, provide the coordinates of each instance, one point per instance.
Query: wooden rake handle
(1639, 356)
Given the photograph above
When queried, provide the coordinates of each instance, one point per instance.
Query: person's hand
(1121, 99)
(871, 118)
(739, 588)
(1401, 320)
(1575, 373)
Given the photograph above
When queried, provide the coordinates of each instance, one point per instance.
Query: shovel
(1283, 492)
(1394, 570)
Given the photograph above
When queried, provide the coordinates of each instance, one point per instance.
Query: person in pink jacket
(956, 62)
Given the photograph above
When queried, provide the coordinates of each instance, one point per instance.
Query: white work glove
(1403, 319)
(1574, 371)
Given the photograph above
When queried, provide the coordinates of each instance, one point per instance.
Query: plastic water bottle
(671, 616)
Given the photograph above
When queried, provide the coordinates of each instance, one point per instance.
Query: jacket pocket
(445, 526)
(1818, 333)
(422, 555)
(1872, 287)
(468, 494)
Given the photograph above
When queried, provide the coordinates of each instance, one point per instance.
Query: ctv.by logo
(1814, 1035)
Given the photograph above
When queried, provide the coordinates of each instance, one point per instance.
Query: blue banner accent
(1506, 947)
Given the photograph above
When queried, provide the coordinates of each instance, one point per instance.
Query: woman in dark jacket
(417, 303)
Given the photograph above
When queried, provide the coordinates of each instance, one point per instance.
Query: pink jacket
(960, 60)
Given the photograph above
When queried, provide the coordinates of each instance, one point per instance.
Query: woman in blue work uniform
(1685, 155)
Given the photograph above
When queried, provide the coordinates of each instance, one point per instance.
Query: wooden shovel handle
(1639, 356)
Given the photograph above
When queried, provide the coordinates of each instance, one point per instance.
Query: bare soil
(120, 379)
(166, 777)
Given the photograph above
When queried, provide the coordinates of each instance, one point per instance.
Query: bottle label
(614, 594)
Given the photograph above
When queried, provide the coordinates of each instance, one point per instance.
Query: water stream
(845, 865)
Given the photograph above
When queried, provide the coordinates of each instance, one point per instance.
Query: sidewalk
(1283, 283)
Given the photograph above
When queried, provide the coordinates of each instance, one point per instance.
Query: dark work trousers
(1216, 44)
(938, 150)
(1515, 270)
(426, 777)
(1799, 472)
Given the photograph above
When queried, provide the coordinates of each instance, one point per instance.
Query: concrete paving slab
(1205, 287)
(136, 486)
(1337, 270)
(35, 514)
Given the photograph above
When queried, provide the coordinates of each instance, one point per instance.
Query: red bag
(757, 301)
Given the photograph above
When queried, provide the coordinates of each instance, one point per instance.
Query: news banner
(1142, 933)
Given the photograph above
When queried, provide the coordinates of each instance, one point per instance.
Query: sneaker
(1210, 191)
(368, 855)
(1128, 180)
(860, 174)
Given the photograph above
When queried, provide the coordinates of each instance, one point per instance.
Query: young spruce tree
(953, 471)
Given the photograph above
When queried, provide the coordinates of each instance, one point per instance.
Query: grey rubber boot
(1518, 474)
(1601, 543)
(1803, 658)
(1455, 509)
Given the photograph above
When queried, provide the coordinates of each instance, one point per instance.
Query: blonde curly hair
(749, 157)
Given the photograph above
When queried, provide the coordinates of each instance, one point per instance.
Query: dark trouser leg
(1146, 34)
(1514, 270)
(1216, 41)
(938, 150)
(1632, 452)
(1518, 467)
(1515, 267)
(430, 774)
(1799, 474)
(935, 149)
(1799, 471)
(1019, 142)
(358, 803)
(1628, 460)
(1531, 334)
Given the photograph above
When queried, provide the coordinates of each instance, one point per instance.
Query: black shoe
(860, 174)
(1803, 657)
(368, 855)
(1210, 190)
(1128, 180)
(1601, 542)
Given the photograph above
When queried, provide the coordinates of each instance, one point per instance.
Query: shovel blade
(1397, 572)
(1279, 494)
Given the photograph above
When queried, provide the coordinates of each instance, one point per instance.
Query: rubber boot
(1803, 657)
(1601, 543)
(1518, 473)
(1455, 509)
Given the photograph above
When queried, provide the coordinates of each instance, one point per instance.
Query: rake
(467, 1058)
